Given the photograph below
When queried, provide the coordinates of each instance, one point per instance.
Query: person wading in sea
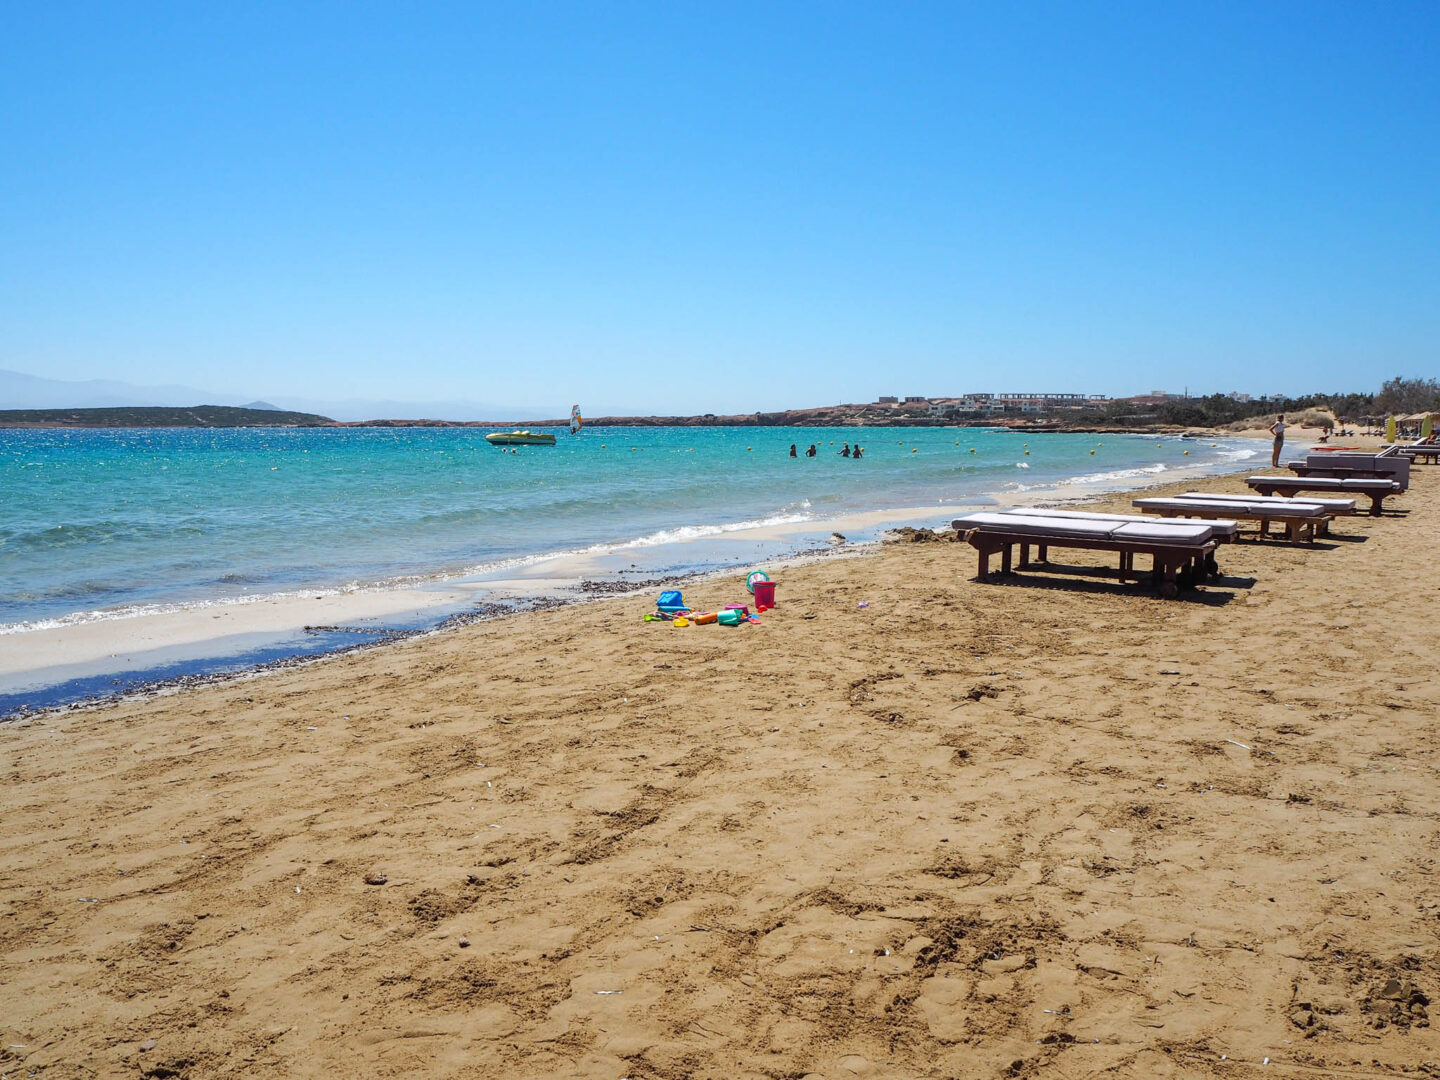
(1278, 430)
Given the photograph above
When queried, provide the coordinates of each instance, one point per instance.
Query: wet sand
(1053, 825)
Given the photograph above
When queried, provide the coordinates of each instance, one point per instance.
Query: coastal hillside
(203, 416)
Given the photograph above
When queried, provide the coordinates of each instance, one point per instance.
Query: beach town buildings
(1023, 404)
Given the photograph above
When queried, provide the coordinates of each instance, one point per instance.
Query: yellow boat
(520, 438)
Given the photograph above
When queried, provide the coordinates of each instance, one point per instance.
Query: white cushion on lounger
(1020, 523)
(1026, 523)
(1245, 506)
(1217, 527)
(1329, 483)
(1276, 500)
(1165, 532)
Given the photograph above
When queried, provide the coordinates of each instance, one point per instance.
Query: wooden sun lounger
(1384, 466)
(1301, 520)
(1429, 454)
(1337, 507)
(1181, 554)
(1377, 490)
(1304, 468)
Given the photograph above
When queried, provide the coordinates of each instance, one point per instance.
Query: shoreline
(103, 660)
(909, 824)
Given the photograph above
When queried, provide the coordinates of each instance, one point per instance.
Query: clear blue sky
(720, 207)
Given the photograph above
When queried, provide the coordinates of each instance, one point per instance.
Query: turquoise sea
(99, 524)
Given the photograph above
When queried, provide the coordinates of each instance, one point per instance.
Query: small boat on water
(520, 438)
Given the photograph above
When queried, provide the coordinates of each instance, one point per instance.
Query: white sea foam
(687, 533)
(799, 513)
(1111, 477)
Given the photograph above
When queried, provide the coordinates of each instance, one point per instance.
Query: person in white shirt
(1278, 430)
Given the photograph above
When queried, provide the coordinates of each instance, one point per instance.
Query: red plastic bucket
(764, 595)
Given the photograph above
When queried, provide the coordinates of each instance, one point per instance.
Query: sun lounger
(1332, 508)
(1358, 466)
(1301, 520)
(1181, 553)
(1336, 507)
(1377, 490)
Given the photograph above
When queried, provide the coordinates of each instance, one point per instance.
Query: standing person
(1278, 430)
(811, 451)
(792, 449)
(846, 451)
(856, 455)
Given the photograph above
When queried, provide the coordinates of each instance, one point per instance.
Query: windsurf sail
(576, 420)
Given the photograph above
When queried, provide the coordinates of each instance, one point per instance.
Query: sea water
(99, 524)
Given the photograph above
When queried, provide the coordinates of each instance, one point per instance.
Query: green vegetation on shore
(200, 416)
(1396, 396)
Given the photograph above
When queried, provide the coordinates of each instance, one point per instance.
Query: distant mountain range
(21, 391)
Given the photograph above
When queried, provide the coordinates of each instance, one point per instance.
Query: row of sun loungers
(1182, 544)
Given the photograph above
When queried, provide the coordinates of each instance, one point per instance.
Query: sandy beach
(1044, 825)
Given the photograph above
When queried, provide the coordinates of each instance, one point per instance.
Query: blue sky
(686, 208)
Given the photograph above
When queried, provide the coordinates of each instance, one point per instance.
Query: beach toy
(671, 602)
(680, 620)
(703, 618)
(752, 577)
(729, 617)
(741, 608)
(764, 595)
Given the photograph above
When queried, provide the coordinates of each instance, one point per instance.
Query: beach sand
(1047, 826)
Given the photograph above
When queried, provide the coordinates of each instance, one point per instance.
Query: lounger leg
(1264, 528)
(1044, 553)
(984, 571)
(1024, 556)
(1375, 501)
(1005, 559)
